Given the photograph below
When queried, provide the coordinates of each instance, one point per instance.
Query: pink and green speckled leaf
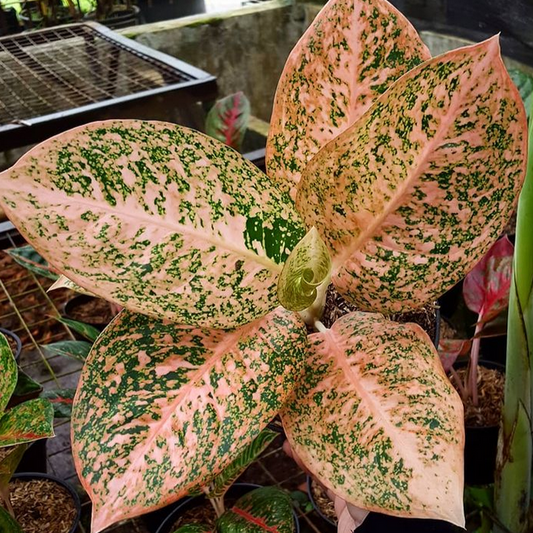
(28, 421)
(450, 349)
(157, 218)
(486, 287)
(162, 409)
(377, 421)
(263, 510)
(411, 196)
(8, 373)
(348, 57)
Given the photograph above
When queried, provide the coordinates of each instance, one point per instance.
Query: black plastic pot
(156, 10)
(17, 340)
(494, 349)
(480, 447)
(78, 301)
(235, 491)
(75, 498)
(34, 458)
(380, 523)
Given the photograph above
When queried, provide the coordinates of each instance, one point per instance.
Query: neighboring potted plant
(390, 174)
(21, 424)
(114, 13)
(481, 383)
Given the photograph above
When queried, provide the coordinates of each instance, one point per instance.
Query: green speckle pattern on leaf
(162, 409)
(377, 421)
(411, 196)
(8, 373)
(156, 217)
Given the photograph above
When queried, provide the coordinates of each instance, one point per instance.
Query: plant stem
(319, 326)
(457, 379)
(4, 497)
(218, 505)
(473, 365)
(315, 311)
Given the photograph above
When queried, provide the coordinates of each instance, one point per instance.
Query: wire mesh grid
(68, 67)
(31, 313)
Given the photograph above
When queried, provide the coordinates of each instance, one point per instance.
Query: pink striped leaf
(411, 196)
(227, 120)
(450, 349)
(155, 217)
(351, 53)
(162, 409)
(264, 510)
(377, 421)
(8, 373)
(486, 287)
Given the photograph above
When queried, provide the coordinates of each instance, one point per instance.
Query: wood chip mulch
(323, 502)
(491, 385)
(42, 506)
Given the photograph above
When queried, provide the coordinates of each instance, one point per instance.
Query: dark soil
(201, 514)
(42, 506)
(336, 307)
(490, 383)
(92, 311)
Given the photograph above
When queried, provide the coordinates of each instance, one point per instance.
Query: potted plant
(114, 13)
(390, 174)
(21, 424)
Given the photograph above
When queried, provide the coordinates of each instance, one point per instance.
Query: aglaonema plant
(515, 446)
(486, 293)
(390, 175)
(21, 424)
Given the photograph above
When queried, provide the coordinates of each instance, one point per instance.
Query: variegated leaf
(220, 485)
(8, 523)
(227, 120)
(28, 421)
(8, 465)
(348, 57)
(450, 349)
(411, 196)
(64, 283)
(85, 330)
(61, 400)
(78, 350)
(8, 373)
(155, 217)
(267, 509)
(162, 409)
(308, 266)
(486, 287)
(377, 421)
(29, 258)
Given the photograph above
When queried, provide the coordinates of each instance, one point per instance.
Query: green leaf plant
(515, 447)
(406, 166)
(21, 424)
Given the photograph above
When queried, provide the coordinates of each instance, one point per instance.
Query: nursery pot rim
(81, 299)
(64, 484)
(173, 515)
(493, 366)
(310, 482)
(17, 340)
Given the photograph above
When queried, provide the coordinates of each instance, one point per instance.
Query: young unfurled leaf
(29, 258)
(377, 421)
(225, 479)
(162, 409)
(267, 509)
(351, 53)
(157, 218)
(64, 283)
(8, 373)
(486, 287)
(450, 349)
(61, 400)
(28, 421)
(227, 120)
(308, 266)
(86, 330)
(412, 195)
(75, 349)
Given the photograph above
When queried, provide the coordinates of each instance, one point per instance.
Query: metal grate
(64, 68)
